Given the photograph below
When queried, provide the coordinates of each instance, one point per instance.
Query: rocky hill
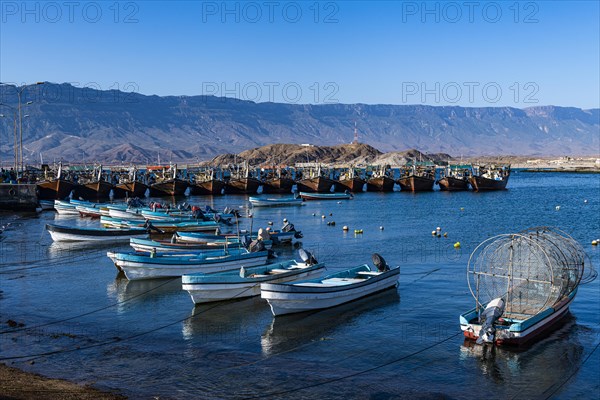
(83, 124)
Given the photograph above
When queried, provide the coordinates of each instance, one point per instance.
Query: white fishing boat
(170, 246)
(523, 285)
(245, 282)
(60, 233)
(137, 266)
(331, 290)
(275, 202)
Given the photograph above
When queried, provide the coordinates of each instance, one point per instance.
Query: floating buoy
(314, 214)
(381, 228)
(332, 223)
(438, 229)
(445, 234)
(457, 245)
(585, 201)
(345, 228)
(358, 231)
(323, 216)
(433, 233)
(270, 223)
(339, 202)
(331, 214)
(439, 235)
(462, 209)
(594, 242)
(557, 208)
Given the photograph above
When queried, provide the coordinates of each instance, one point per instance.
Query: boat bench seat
(341, 281)
(279, 270)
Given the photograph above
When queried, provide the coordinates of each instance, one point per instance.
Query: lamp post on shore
(19, 93)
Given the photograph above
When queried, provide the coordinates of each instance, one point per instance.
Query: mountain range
(84, 124)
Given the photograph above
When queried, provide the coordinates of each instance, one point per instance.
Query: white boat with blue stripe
(169, 265)
(246, 282)
(331, 290)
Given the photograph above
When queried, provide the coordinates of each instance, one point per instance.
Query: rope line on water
(89, 312)
(556, 389)
(326, 382)
(117, 340)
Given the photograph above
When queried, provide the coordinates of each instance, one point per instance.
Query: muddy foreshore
(17, 384)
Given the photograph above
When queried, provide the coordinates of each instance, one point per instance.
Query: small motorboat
(331, 290)
(168, 265)
(171, 246)
(245, 282)
(523, 284)
(275, 202)
(60, 233)
(326, 196)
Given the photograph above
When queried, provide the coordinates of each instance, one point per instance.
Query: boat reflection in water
(126, 292)
(232, 320)
(527, 372)
(290, 331)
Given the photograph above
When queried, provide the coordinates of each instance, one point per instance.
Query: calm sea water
(147, 338)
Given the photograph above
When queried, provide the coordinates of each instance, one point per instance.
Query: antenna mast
(355, 141)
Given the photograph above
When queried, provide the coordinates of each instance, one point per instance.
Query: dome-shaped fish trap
(530, 270)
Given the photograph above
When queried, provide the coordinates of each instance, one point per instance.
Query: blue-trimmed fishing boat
(160, 225)
(523, 285)
(245, 282)
(275, 202)
(278, 237)
(148, 245)
(60, 233)
(331, 290)
(136, 266)
(325, 196)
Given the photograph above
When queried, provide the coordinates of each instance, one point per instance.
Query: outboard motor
(288, 227)
(298, 235)
(380, 263)
(255, 246)
(246, 241)
(149, 227)
(307, 257)
(488, 317)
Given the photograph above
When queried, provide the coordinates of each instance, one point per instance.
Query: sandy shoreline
(17, 384)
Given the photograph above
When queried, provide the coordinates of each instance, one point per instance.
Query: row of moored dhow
(169, 181)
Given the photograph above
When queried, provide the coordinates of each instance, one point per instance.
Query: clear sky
(468, 53)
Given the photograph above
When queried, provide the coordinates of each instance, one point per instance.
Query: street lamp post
(19, 93)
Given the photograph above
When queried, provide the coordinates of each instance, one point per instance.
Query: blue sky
(516, 54)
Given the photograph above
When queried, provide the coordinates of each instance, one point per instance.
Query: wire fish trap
(530, 270)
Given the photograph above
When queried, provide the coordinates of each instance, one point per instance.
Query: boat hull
(243, 186)
(288, 299)
(381, 184)
(133, 189)
(451, 184)
(480, 183)
(66, 234)
(353, 185)
(316, 185)
(219, 291)
(145, 270)
(325, 196)
(212, 187)
(279, 185)
(100, 189)
(264, 202)
(526, 333)
(171, 187)
(415, 183)
(56, 189)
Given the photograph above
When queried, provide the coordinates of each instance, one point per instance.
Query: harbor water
(73, 317)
